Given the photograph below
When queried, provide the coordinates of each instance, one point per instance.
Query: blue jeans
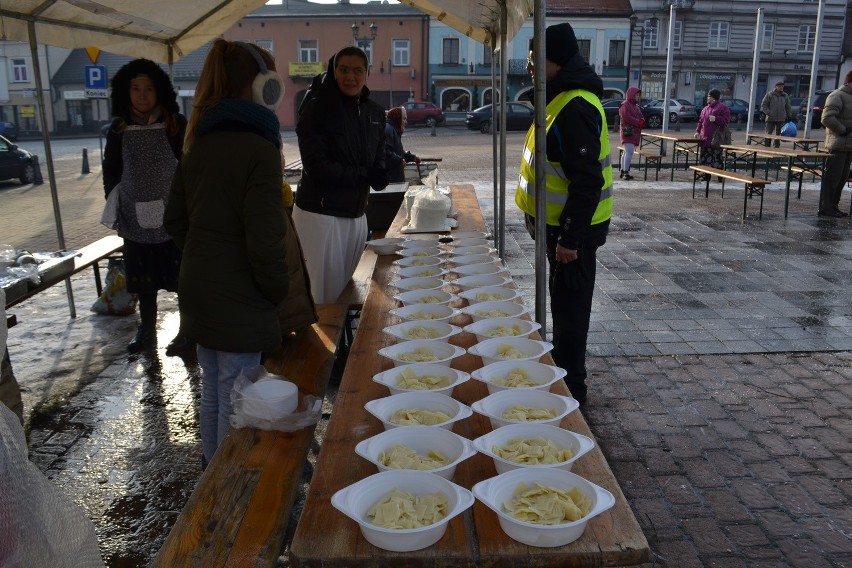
(219, 370)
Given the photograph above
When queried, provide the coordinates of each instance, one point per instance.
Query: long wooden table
(811, 144)
(325, 537)
(681, 144)
(806, 160)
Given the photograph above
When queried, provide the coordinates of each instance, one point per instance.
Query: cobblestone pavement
(720, 359)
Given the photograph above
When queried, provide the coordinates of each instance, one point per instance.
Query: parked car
(739, 109)
(611, 107)
(423, 112)
(9, 130)
(678, 111)
(519, 116)
(816, 113)
(16, 162)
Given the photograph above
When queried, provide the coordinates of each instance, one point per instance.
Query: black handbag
(627, 130)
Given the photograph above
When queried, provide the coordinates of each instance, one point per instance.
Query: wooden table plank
(325, 537)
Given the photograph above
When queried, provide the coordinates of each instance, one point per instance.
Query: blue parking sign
(96, 77)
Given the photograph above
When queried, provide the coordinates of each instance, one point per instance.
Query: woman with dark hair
(142, 151)
(342, 143)
(396, 155)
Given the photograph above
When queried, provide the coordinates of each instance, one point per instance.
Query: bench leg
(657, 176)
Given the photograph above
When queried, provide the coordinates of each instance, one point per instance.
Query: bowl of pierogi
(480, 280)
(408, 330)
(420, 448)
(510, 349)
(421, 377)
(495, 309)
(417, 297)
(491, 294)
(418, 409)
(533, 445)
(425, 312)
(421, 351)
(518, 375)
(490, 328)
(515, 406)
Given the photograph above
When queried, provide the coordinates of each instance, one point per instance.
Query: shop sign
(74, 95)
(304, 69)
(715, 77)
(27, 112)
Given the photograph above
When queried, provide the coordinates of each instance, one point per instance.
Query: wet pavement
(720, 353)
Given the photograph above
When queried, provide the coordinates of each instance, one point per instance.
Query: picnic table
(326, 537)
(811, 144)
(682, 144)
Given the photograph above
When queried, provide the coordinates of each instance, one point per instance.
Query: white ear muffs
(267, 89)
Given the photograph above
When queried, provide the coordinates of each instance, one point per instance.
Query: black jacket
(395, 155)
(342, 145)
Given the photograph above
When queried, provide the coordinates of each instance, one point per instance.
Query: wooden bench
(753, 186)
(648, 156)
(89, 255)
(238, 513)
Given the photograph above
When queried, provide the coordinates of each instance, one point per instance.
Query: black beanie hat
(715, 94)
(560, 43)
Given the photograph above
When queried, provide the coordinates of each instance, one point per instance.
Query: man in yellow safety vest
(578, 193)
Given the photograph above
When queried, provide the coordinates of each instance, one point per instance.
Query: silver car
(680, 110)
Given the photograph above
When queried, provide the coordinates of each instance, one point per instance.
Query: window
(401, 52)
(651, 35)
(677, 35)
(486, 55)
(367, 46)
(308, 51)
(718, 35)
(616, 53)
(19, 71)
(450, 50)
(585, 48)
(807, 37)
(265, 44)
(768, 37)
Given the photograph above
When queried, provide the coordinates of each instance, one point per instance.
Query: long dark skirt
(712, 156)
(151, 267)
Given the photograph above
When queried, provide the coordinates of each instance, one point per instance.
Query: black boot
(622, 174)
(145, 340)
(180, 344)
(627, 175)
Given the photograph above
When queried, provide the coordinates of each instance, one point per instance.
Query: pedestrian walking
(715, 116)
(837, 120)
(143, 147)
(631, 121)
(227, 214)
(777, 110)
(341, 134)
(578, 192)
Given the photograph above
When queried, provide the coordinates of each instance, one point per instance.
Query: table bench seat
(753, 185)
(649, 157)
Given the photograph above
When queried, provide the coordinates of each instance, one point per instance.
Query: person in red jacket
(632, 121)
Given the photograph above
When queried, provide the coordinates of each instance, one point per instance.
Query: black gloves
(845, 131)
(377, 177)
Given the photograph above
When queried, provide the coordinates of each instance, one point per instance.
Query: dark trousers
(572, 286)
(833, 178)
(774, 127)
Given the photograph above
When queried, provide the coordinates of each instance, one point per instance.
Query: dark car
(738, 108)
(817, 106)
(611, 107)
(653, 115)
(519, 116)
(422, 112)
(9, 130)
(16, 162)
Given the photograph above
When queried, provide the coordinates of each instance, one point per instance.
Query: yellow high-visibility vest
(558, 186)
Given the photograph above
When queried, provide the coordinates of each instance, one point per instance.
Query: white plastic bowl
(481, 249)
(469, 259)
(495, 491)
(421, 243)
(477, 269)
(471, 242)
(425, 312)
(420, 251)
(480, 280)
(543, 375)
(389, 378)
(419, 283)
(421, 439)
(269, 399)
(421, 272)
(387, 245)
(491, 294)
(495, 404)
(355, 500)
(441, 330)
(443, 351)
(577, 443)
(483, 329)
(383, 408)
(421, 297)
(485, 310)
(409, 261)
(532, 349)
(469, 235)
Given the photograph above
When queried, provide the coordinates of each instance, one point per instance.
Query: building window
(486, 56)
(616, 53)
(807, 37)
(367, 46)
(585, 49)
(265, 44)
(450, 50)
(401, 52)
(677, 35)
(718, 35)
(651, 35)
(19, 71)
(308, 51)
(768, 37)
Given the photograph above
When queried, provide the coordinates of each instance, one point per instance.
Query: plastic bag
(789, 129)
(289, 423)
(115, 300)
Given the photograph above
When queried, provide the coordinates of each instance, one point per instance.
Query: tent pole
(48, 155)
(500, 204)
(541, 267)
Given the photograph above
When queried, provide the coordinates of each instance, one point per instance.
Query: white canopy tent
(165, 31)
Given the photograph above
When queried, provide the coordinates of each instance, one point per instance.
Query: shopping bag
(789, 129)
(109, 217)
(115, 300)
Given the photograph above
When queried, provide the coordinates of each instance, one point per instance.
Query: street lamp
(366, 42)
(647, 26)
